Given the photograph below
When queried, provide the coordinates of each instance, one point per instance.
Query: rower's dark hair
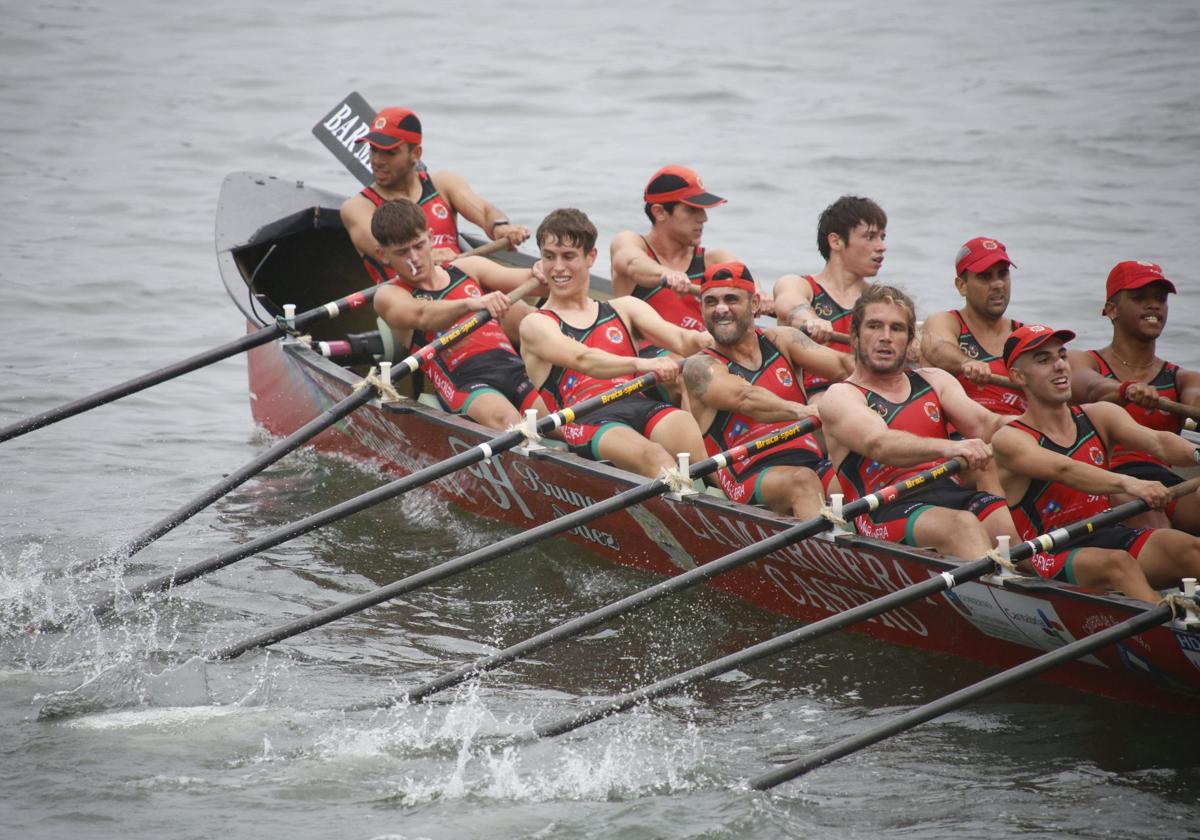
(843, 216)
(669, 206)
(397, 222)
(879, 293)
(569, 227)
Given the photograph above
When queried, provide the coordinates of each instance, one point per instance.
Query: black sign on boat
(338, 130)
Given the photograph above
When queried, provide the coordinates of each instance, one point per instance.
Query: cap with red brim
(1030, 337)
(678, 183)
(391, 127)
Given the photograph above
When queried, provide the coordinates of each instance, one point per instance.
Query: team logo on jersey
(614, 334)
(739, 428)
(823, 309)
(785, 377)
(570, 381)
(472, 291)
(440, 211)
(880, 408)
(969, 349)
(872, 468)
(931, 411)
(1096, 455)
(1052, 507)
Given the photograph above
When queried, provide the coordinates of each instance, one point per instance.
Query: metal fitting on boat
(679, 479)
(835, 514)
(1002, 554)
(1190, 620)
(528, 428)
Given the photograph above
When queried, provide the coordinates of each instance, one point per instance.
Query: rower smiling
(575, 347)
(1054, 462)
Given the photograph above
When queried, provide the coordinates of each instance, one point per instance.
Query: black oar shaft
(1067, 653)
(893, 600)
(627, 498)
(772, 647)
(690, 578)
(481, 452)
(216, 354)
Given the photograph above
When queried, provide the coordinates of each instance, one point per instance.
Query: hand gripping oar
(1190, 413)
(690, 578)
(1054, 541)
(344, 407)
(260, 336)
(480, 452)
(622, 500)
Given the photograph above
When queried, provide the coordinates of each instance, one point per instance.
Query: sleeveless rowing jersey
(442, 220)
(487, 338)
(775, 373)
(1165, 383)
(826, 308)
(995, 398)
(608, 332)
(680, 310)
(921, 414)
(1047, 505)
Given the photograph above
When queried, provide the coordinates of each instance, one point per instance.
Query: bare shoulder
(718, 255)
(698, 372)
(792, 284)
(1079, 359)
(939, 378)
(940, 322)
(625, 239)
(356, 205)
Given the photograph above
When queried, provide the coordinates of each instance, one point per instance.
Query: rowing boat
(281, 242)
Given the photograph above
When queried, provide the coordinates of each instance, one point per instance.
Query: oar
(1067, 653)
(625, 499)
(480, 452)
(298, 438)
(1055, 540)
(1191, 413)
(690, 578)
(260, 336)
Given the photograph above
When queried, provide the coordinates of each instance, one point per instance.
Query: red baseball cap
(391, 127)
(1133, 274)
(678, 183)
(980, 254)
(1029, 337)
(735, 275)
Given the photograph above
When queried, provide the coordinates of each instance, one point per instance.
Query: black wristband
(497, 224)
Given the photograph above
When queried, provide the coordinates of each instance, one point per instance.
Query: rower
(575, 347)
(969, 342)
(749, 385)
(1128, 372)
(851, 236)
(885, 423)
(480, 376)
(395, 140)
(1054, 466)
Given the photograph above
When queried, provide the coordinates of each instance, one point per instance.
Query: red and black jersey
(1166, 384)
(995, 398)
(608, 332)
(828, 309)
(1047, 505)
(775, 373)
(680, 310)
(442, 220)
(487, 338)
(920, 414)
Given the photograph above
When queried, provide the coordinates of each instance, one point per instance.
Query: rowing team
(1050, 436)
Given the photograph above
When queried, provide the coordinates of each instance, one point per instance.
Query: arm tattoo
(797, 309)
(797, 336)
(697, 374)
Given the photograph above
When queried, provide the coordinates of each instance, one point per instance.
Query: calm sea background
(1070, 131)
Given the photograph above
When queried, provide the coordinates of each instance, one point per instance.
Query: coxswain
(969, 342)
(576, 347)
(1129, 372)
(395, 140)
(748, 385)
(886, 423)
(480, 375)
(1054, 465)
(851, 237)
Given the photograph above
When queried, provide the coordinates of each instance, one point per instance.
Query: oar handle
(839, 337)
(1000, 381)
(1191, 412)
(487, 248)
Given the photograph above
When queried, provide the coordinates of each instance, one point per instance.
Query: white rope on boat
(834, 516)
(387, 393)
(676, 481)
(1181, 605)
(529, 430)
(1002, 561)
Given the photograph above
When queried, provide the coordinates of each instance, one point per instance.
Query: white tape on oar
(332, 309)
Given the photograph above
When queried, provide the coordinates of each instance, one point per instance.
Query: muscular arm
(939, 347)
(968, 416)
(710, 385)
(1189, 387)
(403, 312)
(543, 345)
(1117, 426)
(650, 325)
(356, 218)
(1020, 458)
(793, 301)
(493, 275)
(806, 353)
(476, 209)
(1088, 385)
(631, 263)
(851, 425)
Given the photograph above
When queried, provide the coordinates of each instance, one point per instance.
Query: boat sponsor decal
(529, 477)
(493, 480)
(1011, 616)
(833, 597)
(593, 535)
(1189, 644)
